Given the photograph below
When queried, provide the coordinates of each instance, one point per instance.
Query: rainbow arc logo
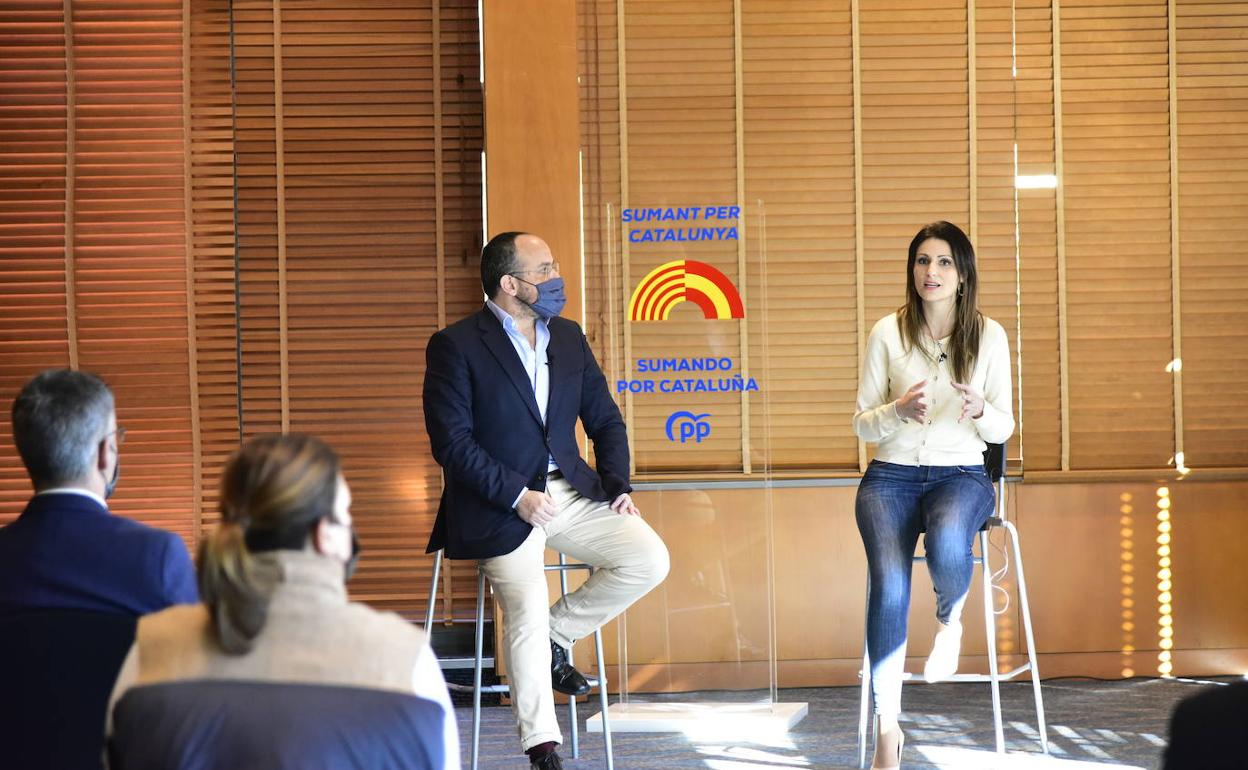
(683, 280)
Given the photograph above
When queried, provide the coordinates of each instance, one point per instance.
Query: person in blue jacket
(67, 550)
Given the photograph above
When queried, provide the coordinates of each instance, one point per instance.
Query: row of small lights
(1127, 531)
(1165, 631)
(1165, 584)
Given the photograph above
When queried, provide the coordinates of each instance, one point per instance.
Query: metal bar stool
(599, 681)
(994, 466)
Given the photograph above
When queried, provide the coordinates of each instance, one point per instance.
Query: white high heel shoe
(887, 748)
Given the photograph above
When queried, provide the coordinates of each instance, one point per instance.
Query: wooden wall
(263, 242)
(838, 115)
(840, 128)
(531, 128)
(1091, 552)
(247, 217)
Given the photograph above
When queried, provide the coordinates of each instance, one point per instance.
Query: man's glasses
(543, 271)
(120, 433)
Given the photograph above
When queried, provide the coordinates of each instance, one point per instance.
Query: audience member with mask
(277, 668)
(67, 551)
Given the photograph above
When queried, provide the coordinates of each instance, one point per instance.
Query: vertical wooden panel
(531, 133)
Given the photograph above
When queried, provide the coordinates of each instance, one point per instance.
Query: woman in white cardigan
(934, 390)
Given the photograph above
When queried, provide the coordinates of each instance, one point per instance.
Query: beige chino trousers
(630, 559)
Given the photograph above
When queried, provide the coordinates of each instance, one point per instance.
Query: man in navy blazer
(66, 551)
(503, 391)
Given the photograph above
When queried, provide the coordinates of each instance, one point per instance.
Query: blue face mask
(550, 297)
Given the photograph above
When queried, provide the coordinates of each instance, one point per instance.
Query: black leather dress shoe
(549, 762)
(563, 677)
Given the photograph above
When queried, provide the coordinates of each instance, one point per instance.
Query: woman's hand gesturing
(972, 402)
(911, 406)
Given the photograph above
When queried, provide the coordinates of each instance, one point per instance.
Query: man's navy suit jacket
(66, 551)
(487, 433)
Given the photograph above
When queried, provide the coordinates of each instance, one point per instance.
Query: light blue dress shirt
(534, 361)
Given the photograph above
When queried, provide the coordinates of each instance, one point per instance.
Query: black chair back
(57, 670)
(228, 724)
(994, 461)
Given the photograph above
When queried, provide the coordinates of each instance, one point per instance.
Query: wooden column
(532, 133)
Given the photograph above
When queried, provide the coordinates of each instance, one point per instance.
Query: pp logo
(688, 427)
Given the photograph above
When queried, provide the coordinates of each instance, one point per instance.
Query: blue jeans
(895, 504)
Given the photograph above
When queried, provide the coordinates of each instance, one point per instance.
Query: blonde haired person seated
(276, 668)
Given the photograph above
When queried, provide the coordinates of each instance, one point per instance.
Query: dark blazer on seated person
(487, 433)
(66, 551)
(57, 669)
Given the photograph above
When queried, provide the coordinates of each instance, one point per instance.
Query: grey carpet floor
(1092, 724)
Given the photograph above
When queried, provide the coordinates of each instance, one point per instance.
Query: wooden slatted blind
(128, 245)
(208, 130)
(1213, 204)
(357, 159)
(682, 152)
(1080, 276)
(598, 58)
(113, 186)
(679, 138)
(1041, 390)
(1117, 198)
(359, 196)
(992, 221)
(915, 134)
(34, 116)
(799, 160)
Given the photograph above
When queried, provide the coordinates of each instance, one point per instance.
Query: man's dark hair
(498, 258)
(59, 419)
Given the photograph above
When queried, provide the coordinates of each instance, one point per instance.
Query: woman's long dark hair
(273, 490)
(968, 322)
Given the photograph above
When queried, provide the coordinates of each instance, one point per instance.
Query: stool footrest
(484, 688)
(1014, 672)
(446, 664)
(1001, 677)
(568, 567)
